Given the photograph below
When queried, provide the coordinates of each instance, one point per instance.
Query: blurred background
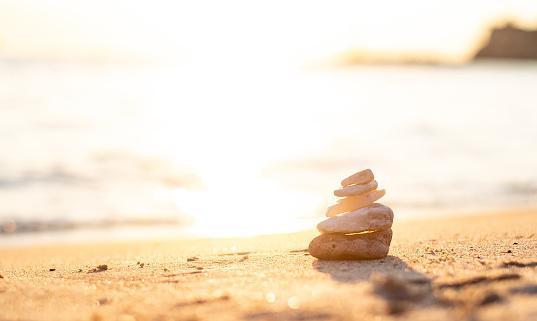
(128, 119)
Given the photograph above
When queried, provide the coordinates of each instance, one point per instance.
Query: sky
(278, 33)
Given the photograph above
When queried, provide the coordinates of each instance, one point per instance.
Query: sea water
(100, 151)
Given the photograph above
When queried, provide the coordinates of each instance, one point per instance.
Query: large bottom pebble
(365, 246)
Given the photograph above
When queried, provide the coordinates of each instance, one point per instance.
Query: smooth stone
(366, 246)
(353, 203)
(375, 217)
(361, 177)
(354, 190)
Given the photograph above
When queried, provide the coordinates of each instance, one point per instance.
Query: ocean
(92, 152)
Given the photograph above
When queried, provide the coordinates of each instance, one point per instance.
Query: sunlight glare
(161, 194)
(229, 125)
(259, 207)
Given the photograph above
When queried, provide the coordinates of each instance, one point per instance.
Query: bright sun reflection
(237, 207)
(261, 208)
(227, 125)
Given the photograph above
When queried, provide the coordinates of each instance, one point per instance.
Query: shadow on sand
(390, 277)
(355, 271)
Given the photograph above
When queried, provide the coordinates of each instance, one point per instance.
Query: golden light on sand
(294, 302)
(270, 297)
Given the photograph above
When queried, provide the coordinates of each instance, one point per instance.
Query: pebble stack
(357, 228)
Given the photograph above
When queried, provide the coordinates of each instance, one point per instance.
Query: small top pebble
(362, 177)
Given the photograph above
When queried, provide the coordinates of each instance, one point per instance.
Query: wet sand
(482, 267)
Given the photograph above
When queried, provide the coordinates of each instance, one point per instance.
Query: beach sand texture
(460, 268)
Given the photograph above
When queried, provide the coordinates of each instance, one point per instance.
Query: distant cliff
(510, 42)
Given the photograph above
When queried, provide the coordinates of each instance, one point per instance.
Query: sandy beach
(480, 267)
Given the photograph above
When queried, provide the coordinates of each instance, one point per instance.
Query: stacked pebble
(357, 227)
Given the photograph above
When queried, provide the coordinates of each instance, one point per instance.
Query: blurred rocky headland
(511, 43)
(505, 42)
